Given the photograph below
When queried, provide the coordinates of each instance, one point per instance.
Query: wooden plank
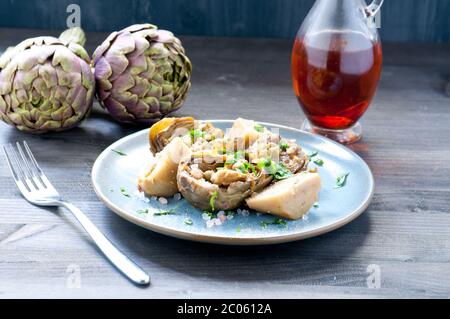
(404, 232)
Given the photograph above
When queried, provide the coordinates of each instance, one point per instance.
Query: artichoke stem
(73, 35)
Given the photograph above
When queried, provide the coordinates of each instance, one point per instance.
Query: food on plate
(142, 74)
(46, 83)
(162, 132)
(246, 131)
(208, 185)
(290, 198)
(218, 172)
(195, 134)
(160, 179)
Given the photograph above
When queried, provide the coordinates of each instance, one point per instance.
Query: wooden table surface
(404, 236)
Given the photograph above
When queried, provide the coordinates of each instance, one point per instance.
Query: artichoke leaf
(162, 132)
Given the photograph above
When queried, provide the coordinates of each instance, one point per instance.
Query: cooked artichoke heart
(162, 132)
(227, 176)
(199, 191)
(195, 134)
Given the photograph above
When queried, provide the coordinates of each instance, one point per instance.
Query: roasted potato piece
(161, 178)
(290, 198)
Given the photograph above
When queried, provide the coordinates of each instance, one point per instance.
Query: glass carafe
(336, 66)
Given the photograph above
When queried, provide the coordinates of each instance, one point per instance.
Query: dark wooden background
(405, 231)
(402, 20)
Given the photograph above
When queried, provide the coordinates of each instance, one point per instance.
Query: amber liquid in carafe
(335, 76)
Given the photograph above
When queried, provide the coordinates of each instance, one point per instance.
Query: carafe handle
(373, 8)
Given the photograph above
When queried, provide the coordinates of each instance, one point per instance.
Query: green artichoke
(46, 83)
(141, 73)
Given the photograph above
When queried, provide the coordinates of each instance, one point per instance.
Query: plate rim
(231, 240)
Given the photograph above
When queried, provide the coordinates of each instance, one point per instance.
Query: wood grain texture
(402, 20)
(405, 231)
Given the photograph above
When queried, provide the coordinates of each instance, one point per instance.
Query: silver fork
(37, 189)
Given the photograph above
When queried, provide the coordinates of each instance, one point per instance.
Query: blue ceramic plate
(115, 172)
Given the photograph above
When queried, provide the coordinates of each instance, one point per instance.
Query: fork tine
(35, 166)
(15, 166)
(24, 189)
(31, 156)
(11, 167)
(27, 169)
(31, 164)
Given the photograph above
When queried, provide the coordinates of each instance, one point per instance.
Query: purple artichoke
(46, 84)
(142, 74)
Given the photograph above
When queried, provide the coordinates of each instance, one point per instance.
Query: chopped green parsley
(277, 170)
(319, 161)
(164, 212)
(119, 152)
(284, 146)
(313, 154)
(341, 180)
(276, 221)
(124, 192)
(259, 128)
(212, 200)
(196, 134)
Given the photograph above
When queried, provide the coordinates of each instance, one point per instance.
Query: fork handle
(117, 258)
